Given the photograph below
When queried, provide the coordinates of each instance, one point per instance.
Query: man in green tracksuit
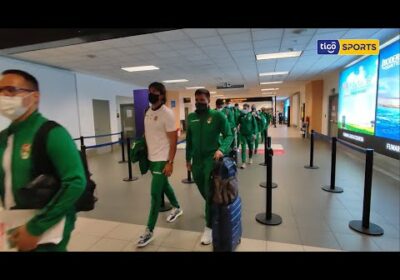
(261, 123)
(19, 100)
(230, 113)
(237, 114)
(230, 116)
(203, 148)
(248, 131)
(268, 118)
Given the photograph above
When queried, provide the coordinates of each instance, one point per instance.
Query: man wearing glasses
(19, 101)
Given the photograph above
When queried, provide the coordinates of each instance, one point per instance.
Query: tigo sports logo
(328, 46)
(348, 47)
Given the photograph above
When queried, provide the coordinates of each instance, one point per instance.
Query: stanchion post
(269, 218)
(268, 198)
(365, 226)
(367, 188)
(311, 166)
(122, 148)
(264, 184)
(188, 180)
(332, 188)
(130, 178)
(266, 139)
(82, 141)
(83, 151)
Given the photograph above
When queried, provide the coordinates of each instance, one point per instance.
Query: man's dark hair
(246, 105)
(161, 89)
(236, 105)
(202, 91)
(219, 102)
(28, 77)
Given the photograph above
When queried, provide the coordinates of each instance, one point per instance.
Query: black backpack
(43, 171)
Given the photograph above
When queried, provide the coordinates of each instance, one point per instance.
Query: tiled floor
(311, 217)
(121, 237)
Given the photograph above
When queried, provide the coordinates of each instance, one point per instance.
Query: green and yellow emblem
(25, 151)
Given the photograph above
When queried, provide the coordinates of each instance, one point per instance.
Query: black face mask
(153, 98)
(201, 107)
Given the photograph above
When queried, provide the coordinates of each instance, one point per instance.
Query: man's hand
(23, 240)
(189, 166)
(218, 154)
(254, 137)
(168, 169)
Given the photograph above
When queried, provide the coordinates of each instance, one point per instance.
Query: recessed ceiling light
(140, 68)
(194, 87)
(278, 55)
(213, 92)
(271, 83)
(176, 81)
(220, 95)
(268, 89)
(274, 73)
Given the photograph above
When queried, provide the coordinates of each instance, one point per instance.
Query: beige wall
(174, 96)
(308, 100)
(314, 96)
(295, 105)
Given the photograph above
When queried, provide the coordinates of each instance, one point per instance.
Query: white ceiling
(207, 57)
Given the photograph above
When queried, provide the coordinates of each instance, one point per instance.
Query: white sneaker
(175, 213)
(146, 238)
(251, 161)
(243, 166)
(206, 239)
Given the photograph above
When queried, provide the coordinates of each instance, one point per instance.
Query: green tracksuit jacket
(230, 114)
(237, 115)
(202, 141)
(248, 124)
(66, 160)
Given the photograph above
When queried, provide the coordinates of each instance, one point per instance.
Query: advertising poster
(357, 96)
(388, 101)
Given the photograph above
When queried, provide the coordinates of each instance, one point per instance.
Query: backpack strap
(41, 161)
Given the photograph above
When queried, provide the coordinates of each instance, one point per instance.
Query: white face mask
(12, 107)
(230, 105)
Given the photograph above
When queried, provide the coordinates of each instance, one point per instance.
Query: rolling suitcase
(227, 226)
